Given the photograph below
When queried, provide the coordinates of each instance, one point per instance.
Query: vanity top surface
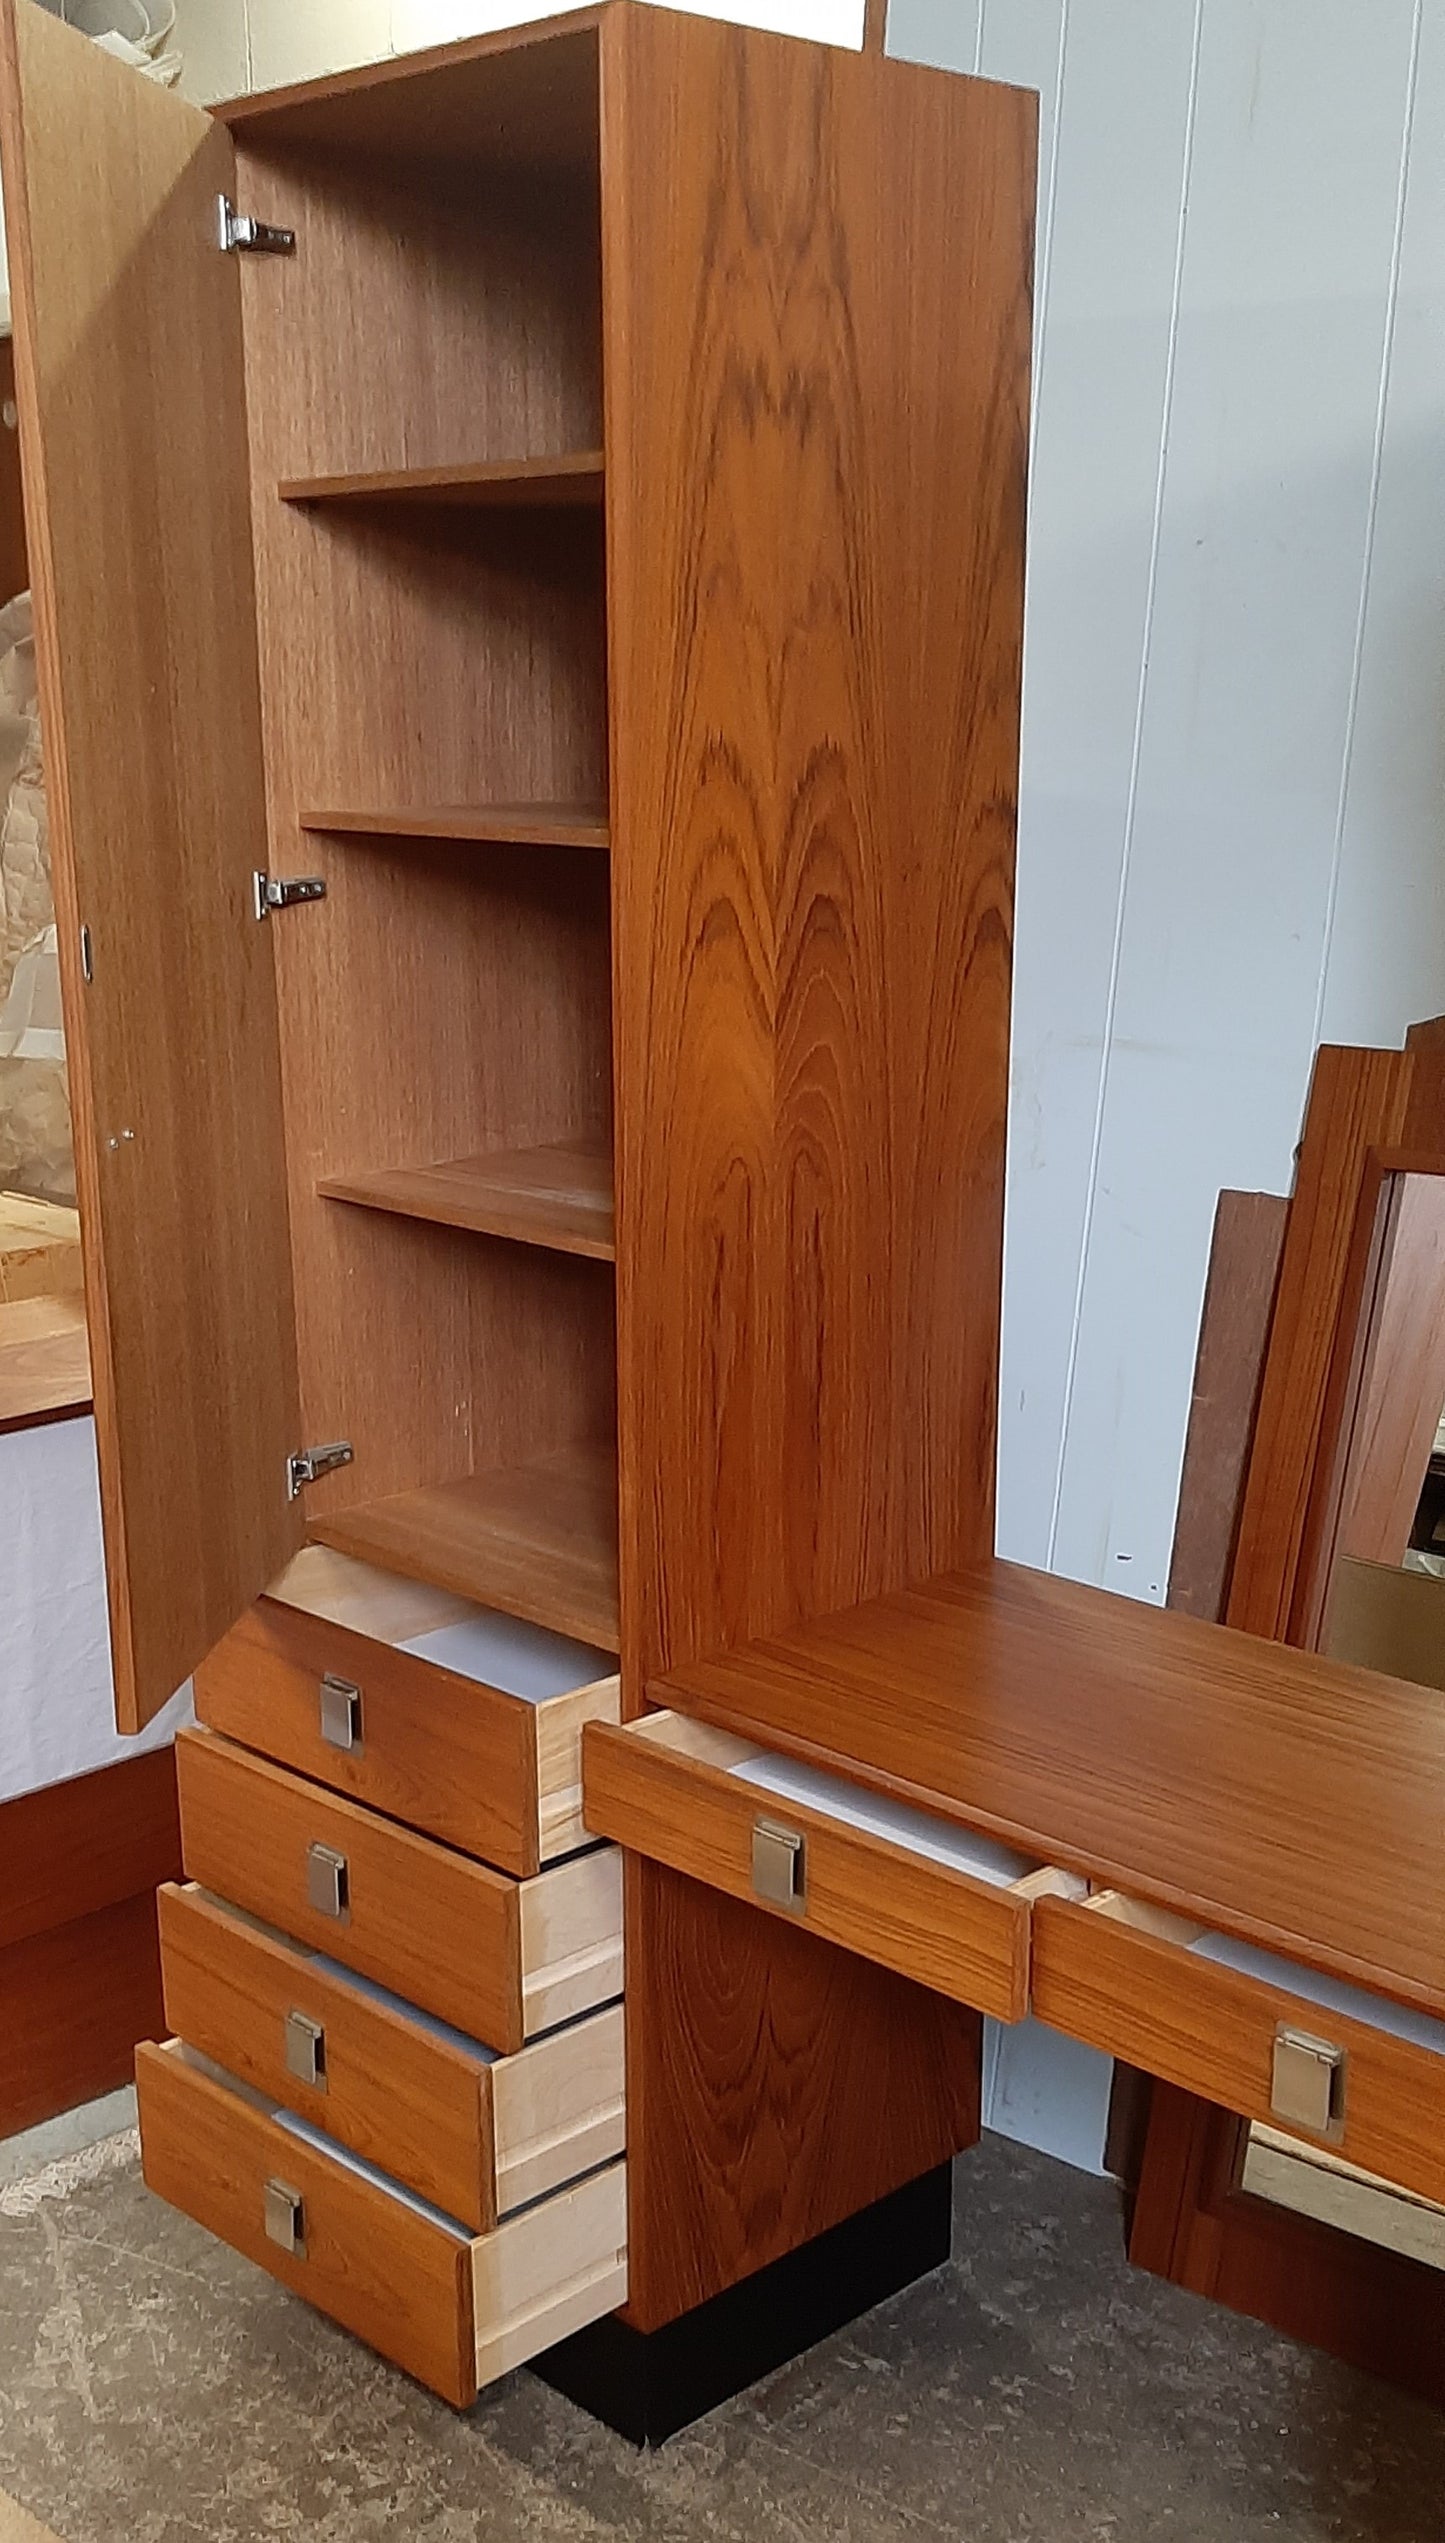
(1259, 1789)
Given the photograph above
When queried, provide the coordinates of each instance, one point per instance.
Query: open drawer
(499, 1959)
(1258, 2035)
(455, 2309)
(463, 1723)
(474, 2133)
(918, 1894)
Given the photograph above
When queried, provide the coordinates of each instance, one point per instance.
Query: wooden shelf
(557, 1196)
(533, 825)
(537, 1541)
(572, 479)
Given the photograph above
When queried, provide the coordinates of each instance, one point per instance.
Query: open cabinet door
(131, 389)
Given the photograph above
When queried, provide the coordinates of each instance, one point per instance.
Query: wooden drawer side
(571, 1938)
(559, 2108)
(430, 1924)
(399, 2281)
(1122, 1978)
(664, 1787)
(546, 2273)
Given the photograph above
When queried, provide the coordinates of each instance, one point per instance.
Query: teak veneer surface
(573, 478)
(558, 1196)
(1263, 1791)
(128, 340)
(522, 98)
(538, 1541)
(536, 825)
(817, 340)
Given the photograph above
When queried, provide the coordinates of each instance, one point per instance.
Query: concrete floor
(155, 2388)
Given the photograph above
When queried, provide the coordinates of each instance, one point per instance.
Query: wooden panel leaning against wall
(79, 1964)
(1258, 1516)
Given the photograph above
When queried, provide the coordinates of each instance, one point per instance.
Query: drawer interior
(1269, 1969)
(564, 1682)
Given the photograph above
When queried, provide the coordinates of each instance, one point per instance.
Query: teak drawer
(1264, 2038)
(496, 1958)
(318, 1675)
(473, 2133)
(456, 2310)
(917, 1894)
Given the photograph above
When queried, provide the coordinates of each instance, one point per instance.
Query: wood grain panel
(816, 321)
(922, 1918)
(128, 340)
(1266, 1792)
(87, 1844)
(430, 1924)
(74, 2000)
(396, 2280)
(1358, 1102)
(1211, 2030)
(447, 1755)
(1402, 1387)
(411, 2103)
(1244, 1259)
(791, 2085)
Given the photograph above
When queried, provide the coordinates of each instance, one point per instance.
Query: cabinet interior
(424, 416)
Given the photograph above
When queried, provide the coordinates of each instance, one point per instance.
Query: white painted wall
(1232, 836)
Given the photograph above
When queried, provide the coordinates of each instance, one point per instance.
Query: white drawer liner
(1333, 1995)
(915, 1830)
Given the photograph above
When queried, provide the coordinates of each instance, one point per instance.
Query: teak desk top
(1258, 1789)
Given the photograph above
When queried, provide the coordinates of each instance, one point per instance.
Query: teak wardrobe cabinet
(528, 547)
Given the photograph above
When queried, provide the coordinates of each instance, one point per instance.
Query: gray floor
(153, 2387)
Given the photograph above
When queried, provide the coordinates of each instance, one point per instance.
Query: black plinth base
(648, 2384)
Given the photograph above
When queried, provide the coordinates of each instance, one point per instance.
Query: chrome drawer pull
(341, 1714)
(1308, 2087)
(779, 1869)
(328, 1882)
(306, 2050)
(286, 2218)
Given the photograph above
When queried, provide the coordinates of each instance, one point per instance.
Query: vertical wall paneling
(1115, 171)
(1386, 954)
(1265, 518)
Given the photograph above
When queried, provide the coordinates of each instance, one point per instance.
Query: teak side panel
(132, 404)
(816, 315)
(791, 2085)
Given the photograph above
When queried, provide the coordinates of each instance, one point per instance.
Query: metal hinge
(239, 233)
(283, 891)
(310, 1464)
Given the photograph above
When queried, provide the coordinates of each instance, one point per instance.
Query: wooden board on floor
(44, 1361)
